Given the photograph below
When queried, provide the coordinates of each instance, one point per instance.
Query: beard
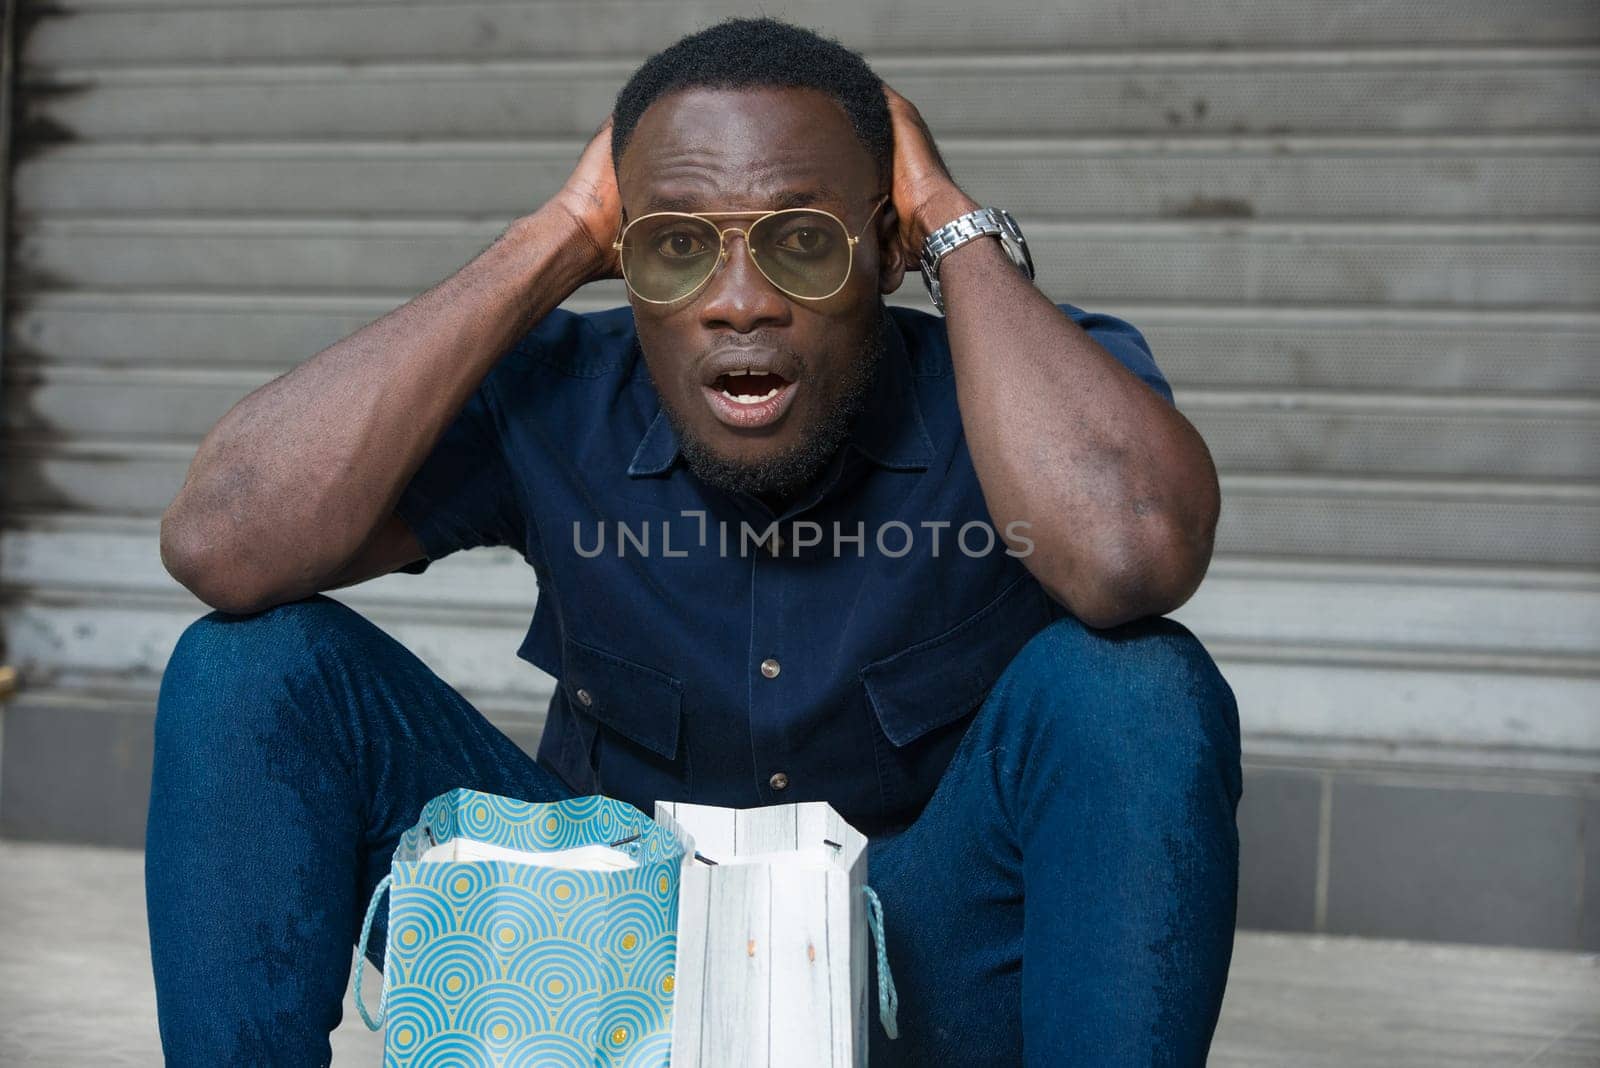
(788, 472)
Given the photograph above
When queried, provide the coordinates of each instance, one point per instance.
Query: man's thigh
(1069, 889)
(953, 922)
(292, 749)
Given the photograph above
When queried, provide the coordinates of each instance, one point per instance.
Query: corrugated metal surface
(1364, 241)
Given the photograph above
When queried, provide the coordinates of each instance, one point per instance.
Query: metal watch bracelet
(980, 222)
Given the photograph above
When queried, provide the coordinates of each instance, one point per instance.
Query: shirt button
(779, 781)
(770, 668)
(584, 698)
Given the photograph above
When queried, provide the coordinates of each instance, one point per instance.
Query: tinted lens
(666, 256)
(804, 252)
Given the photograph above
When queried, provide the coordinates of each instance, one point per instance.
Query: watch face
(1020, 255)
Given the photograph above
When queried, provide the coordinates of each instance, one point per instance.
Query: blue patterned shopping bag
(493, 962)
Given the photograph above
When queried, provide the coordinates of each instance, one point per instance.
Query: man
(791, 545)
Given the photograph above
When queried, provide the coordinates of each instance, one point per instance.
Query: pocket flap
(941, 679)
(640, 703)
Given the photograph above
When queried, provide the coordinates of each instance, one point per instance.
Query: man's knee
(225, 665)
(1145, 694)
(281, 632)
(1156, 656)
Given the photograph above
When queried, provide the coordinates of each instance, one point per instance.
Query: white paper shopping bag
(773, 949)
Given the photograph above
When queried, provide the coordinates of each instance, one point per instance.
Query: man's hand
(925, 196)
(591, 198)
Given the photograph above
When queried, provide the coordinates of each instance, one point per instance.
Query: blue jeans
(1066, 897)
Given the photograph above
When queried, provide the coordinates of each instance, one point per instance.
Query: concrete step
(73, 923)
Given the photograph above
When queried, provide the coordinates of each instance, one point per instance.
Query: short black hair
(740, 53)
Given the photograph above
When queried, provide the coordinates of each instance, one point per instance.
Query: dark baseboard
(1446, 852)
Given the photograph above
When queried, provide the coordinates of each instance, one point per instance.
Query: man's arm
(1118, 487)
(293, 491)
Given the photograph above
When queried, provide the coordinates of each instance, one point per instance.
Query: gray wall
(1362, 240)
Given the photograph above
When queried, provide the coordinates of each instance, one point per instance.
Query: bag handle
(888, 998)
(361, 959)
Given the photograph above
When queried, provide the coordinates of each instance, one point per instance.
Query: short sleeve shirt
(707, 649)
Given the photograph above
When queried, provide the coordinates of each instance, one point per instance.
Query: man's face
(762, 149)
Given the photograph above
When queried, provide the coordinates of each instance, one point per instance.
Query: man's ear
(892, 258)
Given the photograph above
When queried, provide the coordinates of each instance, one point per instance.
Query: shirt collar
(657, 449)
(889, 429)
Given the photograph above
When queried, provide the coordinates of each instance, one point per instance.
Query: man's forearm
(1118, 487)
(288, 484)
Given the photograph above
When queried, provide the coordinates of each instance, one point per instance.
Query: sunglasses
(807, 253)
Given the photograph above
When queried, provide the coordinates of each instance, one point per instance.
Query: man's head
(755, 115)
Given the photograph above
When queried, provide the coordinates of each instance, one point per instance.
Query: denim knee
(1146, 692)
(227, 667)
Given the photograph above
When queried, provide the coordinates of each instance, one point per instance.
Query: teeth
(732, 392)
(746, 398)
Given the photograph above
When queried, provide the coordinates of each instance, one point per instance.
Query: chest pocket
(920, 694)
(628, 719)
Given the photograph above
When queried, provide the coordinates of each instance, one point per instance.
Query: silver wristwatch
(959, 231)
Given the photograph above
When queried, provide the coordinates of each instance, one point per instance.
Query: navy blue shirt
(704, 654)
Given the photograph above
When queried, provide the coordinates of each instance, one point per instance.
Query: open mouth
(750, 387)
(748, 398)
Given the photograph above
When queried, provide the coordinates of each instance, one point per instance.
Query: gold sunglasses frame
(722, 245)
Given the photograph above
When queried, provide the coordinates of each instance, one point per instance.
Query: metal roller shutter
(1363, 241)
